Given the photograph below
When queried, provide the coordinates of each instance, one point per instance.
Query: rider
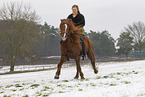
(78, 20)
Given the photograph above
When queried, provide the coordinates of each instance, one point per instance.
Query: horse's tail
(91, 55)
(90, 52)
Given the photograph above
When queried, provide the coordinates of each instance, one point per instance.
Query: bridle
(65, 34)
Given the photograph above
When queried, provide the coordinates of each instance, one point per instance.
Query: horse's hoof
(95, 71)
(56, 77)
(76, 77)
(82, 78)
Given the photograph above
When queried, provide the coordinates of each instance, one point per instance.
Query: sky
(110, 15)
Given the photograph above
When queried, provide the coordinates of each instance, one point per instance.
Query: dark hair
(76, 7)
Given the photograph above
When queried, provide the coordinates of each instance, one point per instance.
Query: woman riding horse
(71, 47)
(78, 20)
(70, 31)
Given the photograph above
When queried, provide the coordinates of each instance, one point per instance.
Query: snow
(115, 79)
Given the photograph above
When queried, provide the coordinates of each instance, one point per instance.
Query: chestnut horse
(71, 47)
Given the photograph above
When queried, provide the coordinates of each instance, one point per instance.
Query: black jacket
(79, 20)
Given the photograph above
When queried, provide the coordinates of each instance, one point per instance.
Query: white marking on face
(64, 36)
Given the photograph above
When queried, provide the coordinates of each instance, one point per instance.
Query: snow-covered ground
(123, 79)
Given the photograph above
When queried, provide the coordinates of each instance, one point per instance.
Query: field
(115, 79)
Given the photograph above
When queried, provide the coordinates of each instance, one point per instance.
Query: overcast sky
(111, 15)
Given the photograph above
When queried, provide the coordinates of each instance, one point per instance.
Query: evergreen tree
(104, 44)
(125, 43)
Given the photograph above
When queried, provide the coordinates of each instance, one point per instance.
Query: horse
(71, 47)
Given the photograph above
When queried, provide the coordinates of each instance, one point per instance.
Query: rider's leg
(83, 47)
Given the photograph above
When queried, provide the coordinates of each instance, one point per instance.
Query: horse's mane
(73, 31)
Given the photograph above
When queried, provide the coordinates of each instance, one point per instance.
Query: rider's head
(75, 9)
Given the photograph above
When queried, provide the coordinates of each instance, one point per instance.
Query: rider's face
(75, 10)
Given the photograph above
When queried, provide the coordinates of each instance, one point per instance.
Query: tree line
(22, 36)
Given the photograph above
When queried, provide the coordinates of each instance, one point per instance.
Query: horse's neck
(73, 27)
(74, 38)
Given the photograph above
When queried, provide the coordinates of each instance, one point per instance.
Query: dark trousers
(83, 45)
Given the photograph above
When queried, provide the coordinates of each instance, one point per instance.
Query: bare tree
(18, 30)
(137, 31)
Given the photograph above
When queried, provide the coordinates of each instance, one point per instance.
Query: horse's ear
(62, 19)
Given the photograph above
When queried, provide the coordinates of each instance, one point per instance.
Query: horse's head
(66, 26)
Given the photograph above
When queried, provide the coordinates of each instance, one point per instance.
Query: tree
(18, 31)
(137, 30)
(103, 43)
(50, 42)
(125, 43)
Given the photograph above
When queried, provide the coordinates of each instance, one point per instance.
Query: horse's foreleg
(79, 69)
(77, 74)
(59, 67)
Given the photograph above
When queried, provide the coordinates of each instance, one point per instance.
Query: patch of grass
(1, 92)
(80, 89)
(45, 95)
(14, 90)
(25, 96)
(6, 96)
(65, 81)
(59, 85)
(99, 77)
(17, 85)
(26, 83)
(60, 92)
(113, 85)
(47, 88)
(118, 73)
(38, 93)
(92, 84)
(126, 82)
(35, 85)
(124, 73)
(135, 72)
(105, 76)
(21, 89)
(70, 86)
(117, 78)
(79, 83)
(9, 86)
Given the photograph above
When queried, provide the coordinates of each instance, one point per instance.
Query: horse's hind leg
(59, 67)
(91, 56)
(79, 71)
